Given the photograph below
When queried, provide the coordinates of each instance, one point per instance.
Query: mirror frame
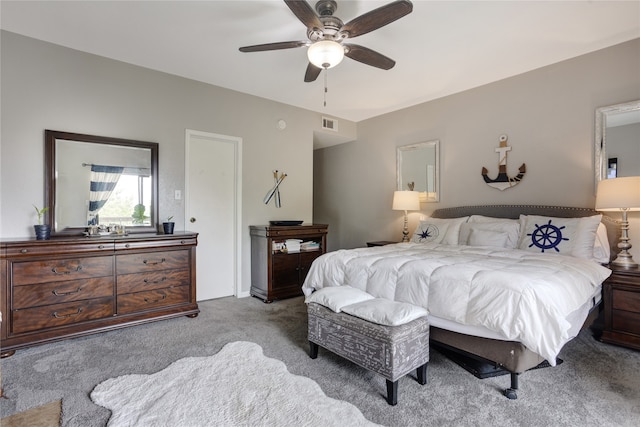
(51, 185)
(600, 140)
(424, 195)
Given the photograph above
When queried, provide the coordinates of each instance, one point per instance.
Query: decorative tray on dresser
(74, 286)
(621, 295)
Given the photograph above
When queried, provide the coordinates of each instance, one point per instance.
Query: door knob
(192, 219)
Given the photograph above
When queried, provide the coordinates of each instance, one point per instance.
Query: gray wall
(547, 113)
(44, 86)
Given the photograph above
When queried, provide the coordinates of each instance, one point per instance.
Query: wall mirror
(95, 180)
(617, 141)
(419, 164)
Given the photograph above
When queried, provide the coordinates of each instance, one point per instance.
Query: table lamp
(620, 194)
(406, 201)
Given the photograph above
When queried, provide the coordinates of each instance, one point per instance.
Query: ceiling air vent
(329, 124)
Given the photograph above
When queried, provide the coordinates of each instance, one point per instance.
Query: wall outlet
(178, 195)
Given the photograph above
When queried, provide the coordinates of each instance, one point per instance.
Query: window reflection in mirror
(418, 165)
(74, 162)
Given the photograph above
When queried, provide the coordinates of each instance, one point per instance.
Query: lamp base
(624, 260)
(405, 229)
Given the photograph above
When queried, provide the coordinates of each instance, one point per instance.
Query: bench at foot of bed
(391, 351)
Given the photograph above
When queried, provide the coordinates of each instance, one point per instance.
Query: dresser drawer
(135, 282)
(152, 261)
(159, 243)
(58, 292)
(49, 247)
(141, 301)
(60, 270)
(38, 318)
(626, 300)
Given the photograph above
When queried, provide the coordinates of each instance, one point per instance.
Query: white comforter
(522, 295)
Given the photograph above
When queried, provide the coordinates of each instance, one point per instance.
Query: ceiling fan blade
(368, 56)
(377, 18)
(273, 46)
(304, 12)
(312, 73)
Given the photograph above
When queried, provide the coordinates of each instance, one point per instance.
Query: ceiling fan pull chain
(326, 70)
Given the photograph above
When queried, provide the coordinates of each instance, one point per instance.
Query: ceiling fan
(327, 35)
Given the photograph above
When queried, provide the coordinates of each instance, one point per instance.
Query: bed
(505, 284)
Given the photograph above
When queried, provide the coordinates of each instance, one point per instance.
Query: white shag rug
(238, 386)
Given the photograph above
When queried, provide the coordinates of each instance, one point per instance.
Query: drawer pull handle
(23, 251)
(147, 262)
(101, 247)
(148, 300)
(153, 282)
(64, 316)
(61, 294)
(77, 269)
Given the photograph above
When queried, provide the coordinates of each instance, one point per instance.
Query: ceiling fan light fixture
(325, 53)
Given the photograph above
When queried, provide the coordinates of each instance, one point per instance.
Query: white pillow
(337, 297)
(480, 237)
(509, 226)
(385, 312)
(601, 248)
(439, 230)
(567, 236)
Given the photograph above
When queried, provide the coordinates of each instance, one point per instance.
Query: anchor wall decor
(503, 181)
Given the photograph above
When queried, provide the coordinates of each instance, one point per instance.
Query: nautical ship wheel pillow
(565, 236)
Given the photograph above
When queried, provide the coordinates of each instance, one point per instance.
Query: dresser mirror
(107, 183)
(617, 141)
(418, 169)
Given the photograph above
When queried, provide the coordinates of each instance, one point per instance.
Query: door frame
(237, 194)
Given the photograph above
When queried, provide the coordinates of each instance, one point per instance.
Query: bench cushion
(337, 297)
(385, 312)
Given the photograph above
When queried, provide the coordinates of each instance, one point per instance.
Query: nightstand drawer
(625, 321)
(626, 300)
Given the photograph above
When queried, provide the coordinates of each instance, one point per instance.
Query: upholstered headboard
(514, 211)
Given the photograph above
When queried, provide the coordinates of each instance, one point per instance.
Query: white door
(212, 209)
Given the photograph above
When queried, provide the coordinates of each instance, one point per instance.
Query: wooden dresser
(275, 273)
(621, 295)
(74, 286)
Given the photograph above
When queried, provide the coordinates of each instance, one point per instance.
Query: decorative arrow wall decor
(503, 181)
(275, 191)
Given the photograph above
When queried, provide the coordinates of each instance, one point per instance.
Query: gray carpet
(597, 385)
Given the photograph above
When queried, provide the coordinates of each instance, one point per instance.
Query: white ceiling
(441, 48)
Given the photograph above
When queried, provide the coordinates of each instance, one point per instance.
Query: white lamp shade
(406, 201)
(325, 53)
(619, 193)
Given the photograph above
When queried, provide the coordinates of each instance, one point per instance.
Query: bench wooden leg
(422, 374)
(392, 392)
(313, 350)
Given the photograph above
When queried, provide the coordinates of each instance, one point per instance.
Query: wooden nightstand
(621, 297)
(380, 243)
